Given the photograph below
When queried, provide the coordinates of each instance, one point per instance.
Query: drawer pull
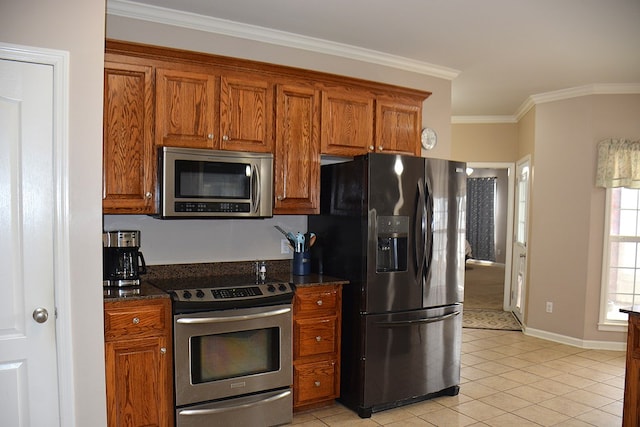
(318, 338)
(319, 302)
(317, 383)
(136, 320)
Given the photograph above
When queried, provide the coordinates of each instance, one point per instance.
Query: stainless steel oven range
(232, 351)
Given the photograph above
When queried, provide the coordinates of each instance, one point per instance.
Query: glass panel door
(519, 262)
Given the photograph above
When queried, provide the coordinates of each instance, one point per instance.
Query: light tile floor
(510, 379)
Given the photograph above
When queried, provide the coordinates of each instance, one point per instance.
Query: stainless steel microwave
(197, 183)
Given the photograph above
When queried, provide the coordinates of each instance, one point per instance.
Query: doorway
(494, 258)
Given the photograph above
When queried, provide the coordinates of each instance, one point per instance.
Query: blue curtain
(480, 218)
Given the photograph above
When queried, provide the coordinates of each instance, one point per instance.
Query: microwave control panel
(212, 207)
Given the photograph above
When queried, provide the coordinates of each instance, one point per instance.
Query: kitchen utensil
(289, 235)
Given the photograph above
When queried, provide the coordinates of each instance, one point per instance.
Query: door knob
(40, 315)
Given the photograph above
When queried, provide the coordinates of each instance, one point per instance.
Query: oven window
(234, 354)
(197, 179)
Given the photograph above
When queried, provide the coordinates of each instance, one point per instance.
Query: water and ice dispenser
(393, 234)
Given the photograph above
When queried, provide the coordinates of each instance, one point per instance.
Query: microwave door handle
(255, 188)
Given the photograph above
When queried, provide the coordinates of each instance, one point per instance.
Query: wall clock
(428, 138)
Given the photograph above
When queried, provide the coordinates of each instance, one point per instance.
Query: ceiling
(498, 53)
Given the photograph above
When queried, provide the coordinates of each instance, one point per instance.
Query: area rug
(478, 318)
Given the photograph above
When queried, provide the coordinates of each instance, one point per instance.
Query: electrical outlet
(284, 246)
(549, 307)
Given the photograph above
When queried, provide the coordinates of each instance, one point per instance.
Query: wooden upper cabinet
(398, 127)
(347, 122)
(185, 109)
(297, 151)
(129, 166)
(246, 114)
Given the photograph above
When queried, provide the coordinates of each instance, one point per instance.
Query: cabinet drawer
(316, 301)
(135, 320)
(313, 337)
(315, 382)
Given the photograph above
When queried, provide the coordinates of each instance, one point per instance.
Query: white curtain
(618, 163)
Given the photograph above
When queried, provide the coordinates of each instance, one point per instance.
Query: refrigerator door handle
(420, 229)
(417, 321)
(428, 251)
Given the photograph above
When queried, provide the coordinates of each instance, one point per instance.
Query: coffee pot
(121, 258)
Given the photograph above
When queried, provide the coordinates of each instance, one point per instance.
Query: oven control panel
(237, 293)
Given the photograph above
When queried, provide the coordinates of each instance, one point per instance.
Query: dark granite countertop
(314, 279)
(144, 291)
(631, 310)
(277, 271)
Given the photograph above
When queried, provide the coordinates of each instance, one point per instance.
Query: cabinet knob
(210, 136)
(319, 302)
(380, 148)
(163, 350)
(148, 195)
(317, 383)
(318, 338)
(279, 197)
(136, 320)
(226, 138)
(371, 148)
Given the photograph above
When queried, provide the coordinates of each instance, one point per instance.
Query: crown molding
(593, 89)
(576, 92)
(161, 15)
(482, 119)
(553, 96)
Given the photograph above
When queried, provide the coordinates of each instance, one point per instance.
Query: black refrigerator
(394, 226)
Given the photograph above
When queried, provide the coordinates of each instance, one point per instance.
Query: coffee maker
(121, 258)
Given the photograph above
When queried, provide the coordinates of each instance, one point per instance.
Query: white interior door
(519, 261)
(28, 365)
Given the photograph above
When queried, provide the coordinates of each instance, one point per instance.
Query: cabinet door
(246, 111)
(138, 391)
(315, 382)
(315, 337)
(297, 157)
(185, 109)
(129, 166)
(398, 127)
(347, 122)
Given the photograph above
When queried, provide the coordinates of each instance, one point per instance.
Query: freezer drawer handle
(233, 408)
(418, 321)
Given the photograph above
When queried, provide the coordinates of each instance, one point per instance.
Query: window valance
(618, 163)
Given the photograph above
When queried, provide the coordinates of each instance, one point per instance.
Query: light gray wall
(208, 240)
(565, 246)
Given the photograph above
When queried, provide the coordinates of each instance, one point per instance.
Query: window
(621, 261)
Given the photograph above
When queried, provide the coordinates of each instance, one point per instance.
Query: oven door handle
(201, 320)
(211, 411)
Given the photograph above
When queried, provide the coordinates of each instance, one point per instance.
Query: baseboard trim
(576, 342)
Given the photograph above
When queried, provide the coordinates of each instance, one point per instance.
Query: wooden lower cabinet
(631, 409)
(139, 368)
(316, 345)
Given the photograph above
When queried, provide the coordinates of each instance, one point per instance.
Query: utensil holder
(301, 263)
